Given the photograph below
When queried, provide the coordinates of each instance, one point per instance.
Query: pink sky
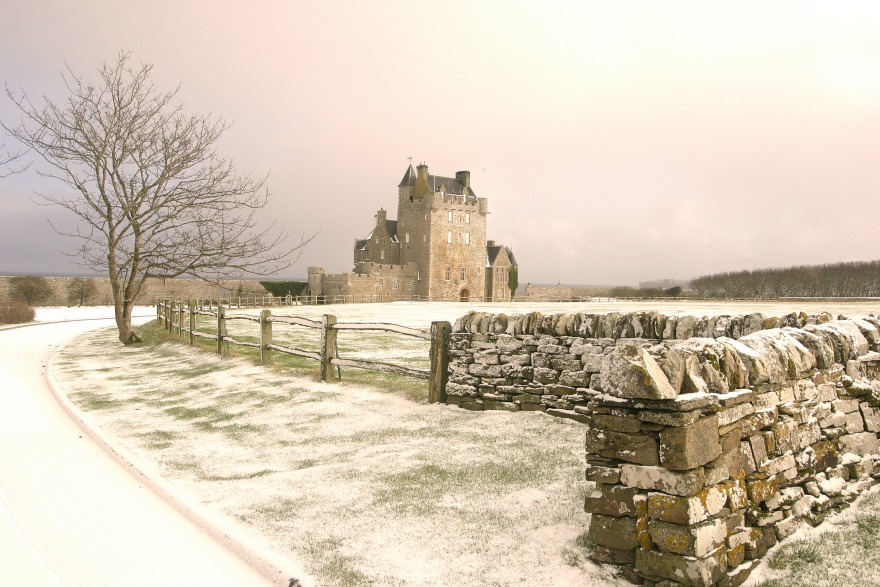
(616, 141)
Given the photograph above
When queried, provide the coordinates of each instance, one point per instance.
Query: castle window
(409, 284)
(419, 274)
(448, 273)
(382, 254)
(449, 217)
(425, 238)
(467, 238)
(449, 237)
(407, 237)
(381, 283)
(463, 273)
(396, 284)
(467, 218)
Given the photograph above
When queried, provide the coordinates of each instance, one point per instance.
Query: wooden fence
(179, 318)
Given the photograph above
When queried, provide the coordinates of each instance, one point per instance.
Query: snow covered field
(362, 485)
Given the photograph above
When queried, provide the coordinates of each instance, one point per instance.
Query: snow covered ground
(70, 514)
(361, 485)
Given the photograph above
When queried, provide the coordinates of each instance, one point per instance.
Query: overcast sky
(617, 141)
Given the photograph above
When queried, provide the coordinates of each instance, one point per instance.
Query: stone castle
(435, 250)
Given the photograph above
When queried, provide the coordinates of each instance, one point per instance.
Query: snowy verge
(245, 545)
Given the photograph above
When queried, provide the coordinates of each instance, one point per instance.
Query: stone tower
(442, 230)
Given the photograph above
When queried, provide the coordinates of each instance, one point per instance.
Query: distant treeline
(644, 292)
(284, 288)
(857, 279)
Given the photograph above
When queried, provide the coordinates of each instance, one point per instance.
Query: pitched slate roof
(409, 177)
(451, 184)
(493, 252)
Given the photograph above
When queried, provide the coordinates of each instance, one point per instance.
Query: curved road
(69, 513)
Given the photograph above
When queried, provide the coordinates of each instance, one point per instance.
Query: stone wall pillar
(705, 453)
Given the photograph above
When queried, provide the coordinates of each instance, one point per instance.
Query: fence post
(158, 312)
(265, 337)
(439, 362)
(192, 322)
(168, 307)
(221, 327)
(328, 348)
(180, 312)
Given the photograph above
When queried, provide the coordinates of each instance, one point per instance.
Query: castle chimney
(422, 170)
(490, 243)
(464, 177)
(382, 216)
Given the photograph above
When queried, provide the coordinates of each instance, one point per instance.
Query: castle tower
(442, 230)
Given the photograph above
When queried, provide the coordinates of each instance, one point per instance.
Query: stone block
(852, 422)
(487, 358)
(552, 349)
(762, 489)
(600, 474)
(759, 449)
(592, 363)
(520, 360)
(540, 360)
(689, 571)
(615, 423)
(670, 418)
(871, 416)
(574, 378)
(737, 493)
(660, 479)
(786, 436)
(747, 459)
(735, 414)
(508, 344)
(479, 370)
(565, 363)
(778, 465)
(544, 375)
(862, 443)
(631, 372)
(614, 532)
(502, 406)
(612, 500)
(475, 405)
(638, 449)
(688, 447)
(691, 540)
(687, 510)
(825, 455)
(605, 554)
(527, 398)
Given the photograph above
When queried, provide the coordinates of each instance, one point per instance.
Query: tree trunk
(123, 323)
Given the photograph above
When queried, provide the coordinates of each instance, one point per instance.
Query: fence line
(179, 318)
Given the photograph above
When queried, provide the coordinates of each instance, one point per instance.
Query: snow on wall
(709, 439)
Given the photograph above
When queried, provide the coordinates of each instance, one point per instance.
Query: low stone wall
(704, 451)
(552, 363)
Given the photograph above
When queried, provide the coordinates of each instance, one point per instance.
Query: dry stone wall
(707, 444)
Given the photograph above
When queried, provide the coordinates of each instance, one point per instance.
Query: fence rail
(179, 318)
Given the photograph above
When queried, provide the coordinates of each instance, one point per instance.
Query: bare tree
(11, 162)
(80, 290)
(30, 289)
(151, 195)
